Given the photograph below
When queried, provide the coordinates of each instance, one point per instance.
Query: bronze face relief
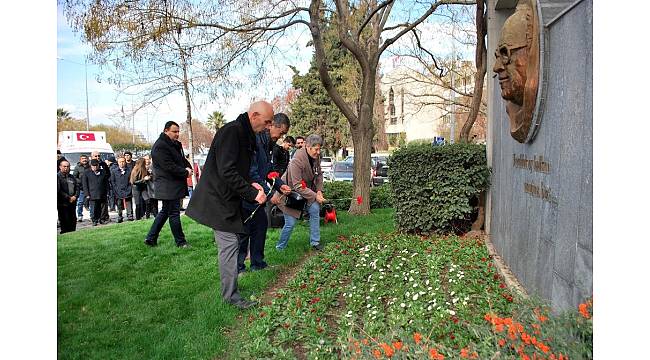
(517, 67)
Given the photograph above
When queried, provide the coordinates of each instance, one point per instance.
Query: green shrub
(436, 188)
(341, 194)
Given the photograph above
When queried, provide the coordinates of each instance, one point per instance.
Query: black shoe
(184, 245)
(131, 219)
(119, 221)
(150, 243)
(146, 216)
(244, 304)
(80, 220)
(182, 209)
(94, 223)
(318, 247)
(259, 267)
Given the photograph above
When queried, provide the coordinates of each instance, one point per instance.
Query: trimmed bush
(380, 196)
(436, 188)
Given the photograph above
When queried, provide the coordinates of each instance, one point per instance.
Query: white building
(417, 106)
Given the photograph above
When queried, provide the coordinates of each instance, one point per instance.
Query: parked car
(326, 163)
(378, 170)
(343, 171)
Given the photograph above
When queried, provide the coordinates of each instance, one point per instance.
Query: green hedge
(436, 188)
(380, 196)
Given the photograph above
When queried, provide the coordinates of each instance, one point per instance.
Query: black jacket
(95, 186)
(120, 182)
(280, 158)
(79, 171)
(66, 187)
(217, 198)
(169, 165)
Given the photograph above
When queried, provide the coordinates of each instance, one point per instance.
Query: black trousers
(67, 217)
(171, 210)
(98, 210)
(152, 207)
(255, 238)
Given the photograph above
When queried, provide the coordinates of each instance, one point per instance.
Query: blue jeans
(80, 204)
(170, 210)
(290, 222)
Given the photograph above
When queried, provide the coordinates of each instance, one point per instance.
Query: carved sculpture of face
(512, 57)
(517, 66)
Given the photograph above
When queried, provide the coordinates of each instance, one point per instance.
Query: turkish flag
(85, 136)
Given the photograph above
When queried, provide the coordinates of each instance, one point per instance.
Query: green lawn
(119, 299)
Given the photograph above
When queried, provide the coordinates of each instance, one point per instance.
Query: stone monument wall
(539, 210)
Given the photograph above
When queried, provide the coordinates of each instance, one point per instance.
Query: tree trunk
(190, 136)
(481, 67)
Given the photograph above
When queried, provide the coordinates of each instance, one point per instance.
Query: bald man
(226, 180)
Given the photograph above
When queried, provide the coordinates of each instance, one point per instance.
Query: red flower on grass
(359, 200)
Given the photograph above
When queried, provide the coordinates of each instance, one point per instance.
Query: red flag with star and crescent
(85, 137)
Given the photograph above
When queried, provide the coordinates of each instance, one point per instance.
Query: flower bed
(391, 295)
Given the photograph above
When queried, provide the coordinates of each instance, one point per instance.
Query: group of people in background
(244, 170)
(103, 185)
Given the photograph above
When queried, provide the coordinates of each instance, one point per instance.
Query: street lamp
(85, 64)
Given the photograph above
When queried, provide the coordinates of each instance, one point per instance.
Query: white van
(73, 144)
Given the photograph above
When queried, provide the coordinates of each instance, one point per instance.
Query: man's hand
(147, 177)
(189, 171)
(257, 186)
(319, 197)
(285, 189)
(275, 199)
(261, 196)
(73, 198)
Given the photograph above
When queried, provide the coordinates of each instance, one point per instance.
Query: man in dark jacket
(67, 191)
(170, 169)
(95, 182)
(128, 156)
(78, 173)
(280, 157)
(122, 189)
(255, 228)
(217, 198)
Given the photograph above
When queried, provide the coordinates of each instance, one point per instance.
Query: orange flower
(502, 342)
(584, 311)
(464, 353)
(487, 317)
(364, 341)
(387, 349)
(398, 345)
(417, 337)
(433, 354)
(499, 327)
(474, 355)
(376, 353)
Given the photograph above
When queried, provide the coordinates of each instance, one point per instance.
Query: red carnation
(272, 175)
(303, 184)
(359, 200)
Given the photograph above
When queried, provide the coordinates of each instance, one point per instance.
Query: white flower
(451, 312)
(465, 303)
(415, 297)
(402, 305)
(411, 278)
(427, 282)
(368, 306)
(374, 312)
(452, 293)
(381, 277)
(429, 307)
(415, 285)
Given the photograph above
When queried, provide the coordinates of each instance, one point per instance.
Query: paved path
(87, 223)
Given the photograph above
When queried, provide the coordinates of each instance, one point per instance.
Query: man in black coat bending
(217, 198)
(171, 170)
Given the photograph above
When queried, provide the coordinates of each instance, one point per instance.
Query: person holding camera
(305, 177)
